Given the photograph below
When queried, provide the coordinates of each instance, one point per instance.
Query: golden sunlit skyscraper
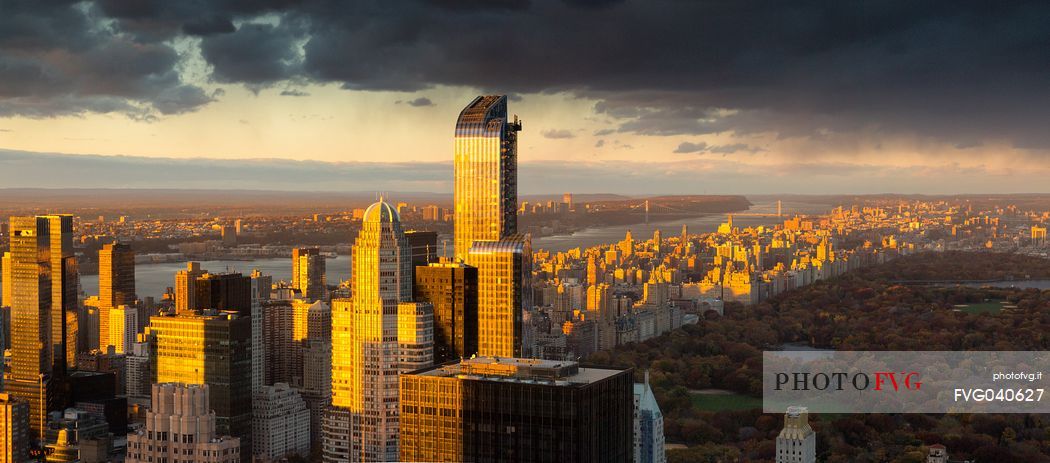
(116, 285)
(5, 265)
(43, 287)
(362, 423)
(14, 429)
(212, 348)
(486, 173)
(504, 272)
(186, 286)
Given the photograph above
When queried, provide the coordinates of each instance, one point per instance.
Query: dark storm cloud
(55, 59)
(421, 101)
(255, 54)
(962, 70)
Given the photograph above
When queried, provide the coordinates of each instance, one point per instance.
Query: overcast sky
(654, 96)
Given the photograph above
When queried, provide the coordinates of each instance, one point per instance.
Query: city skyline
(714, 108)
(292, 231)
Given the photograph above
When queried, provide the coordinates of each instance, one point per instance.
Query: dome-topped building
(381, 211)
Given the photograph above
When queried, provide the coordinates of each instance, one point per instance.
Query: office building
(308, 273)
(312, 336)
(14, 429)
(116, 285)
(224, 291)
(186, 286)
(486, 169)
(280, 425)
(259, 294)
(181, 427)
(44, 291)
(138, 373)
(452, 290)
(648, 425)
(422, 246)
(88, 319)
(213, 348)
(361, 424)
(415, 336)
(316, 388)
(797, 442)
(504, 293)
(559, 412)
(123, 327)
(277, 346)
(5, 276)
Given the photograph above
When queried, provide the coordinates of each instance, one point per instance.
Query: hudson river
(152, 279)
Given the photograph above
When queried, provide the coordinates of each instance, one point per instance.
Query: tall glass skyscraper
(362, 423)
(116, 285)
(486, 172)
(504, 291)
(308, 273)
(43, 300)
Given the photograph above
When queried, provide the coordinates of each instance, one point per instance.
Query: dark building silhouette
(493, 409)
(452, 289)
(224, 291)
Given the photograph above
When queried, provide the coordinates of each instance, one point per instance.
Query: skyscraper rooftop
(381, 211)
(533, 371)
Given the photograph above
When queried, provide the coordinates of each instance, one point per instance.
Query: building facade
(504, 293)
(797, 442)
(280, 425)
(180, 426)
(559, 412)
(361, 424)
(186, 286)
(5, 280)
(139, 376)
(308, 273)
(212, 348)
(14, 435)
(648, 425)
(44, 291)
(116, 285)
(123, 328)
(415, 336)
(452, 290)
(486, 171)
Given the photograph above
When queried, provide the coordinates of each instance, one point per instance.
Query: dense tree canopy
(864, 310)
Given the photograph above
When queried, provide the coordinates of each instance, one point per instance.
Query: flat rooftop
(535, 371)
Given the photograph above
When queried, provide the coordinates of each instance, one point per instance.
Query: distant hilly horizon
(539, 180)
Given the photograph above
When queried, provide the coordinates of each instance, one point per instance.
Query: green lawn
(992, 307)
(721, 402)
